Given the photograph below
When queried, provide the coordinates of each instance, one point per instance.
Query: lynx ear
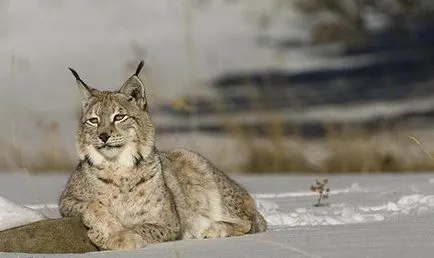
(85, 90)
(135, 88)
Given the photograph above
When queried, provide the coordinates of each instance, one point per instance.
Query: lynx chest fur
(131, 195)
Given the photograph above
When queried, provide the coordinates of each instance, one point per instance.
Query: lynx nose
(104, 137)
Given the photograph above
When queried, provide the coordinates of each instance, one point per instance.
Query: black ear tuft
(77, 77)
(139, 68)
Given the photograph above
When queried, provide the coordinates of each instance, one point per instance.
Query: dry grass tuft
(269, 160)
(322, 189)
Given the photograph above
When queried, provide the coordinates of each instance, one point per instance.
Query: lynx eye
(92, 121)
(119, 118)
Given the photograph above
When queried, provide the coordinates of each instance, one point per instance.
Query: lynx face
(115, 125)
(110, 124)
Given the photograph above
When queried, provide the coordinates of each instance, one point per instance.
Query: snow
(14, 215)
(340, 213)
(354, 188)
(365, 216)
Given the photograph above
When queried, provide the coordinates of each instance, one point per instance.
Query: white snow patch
(14, 215)
(416, 202)
(313, 216)
(42, 206)
(342, 213)
(355, 188)
(390, 206)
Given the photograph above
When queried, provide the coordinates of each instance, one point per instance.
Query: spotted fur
(129, 194)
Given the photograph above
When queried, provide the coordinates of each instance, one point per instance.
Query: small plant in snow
(322, 189)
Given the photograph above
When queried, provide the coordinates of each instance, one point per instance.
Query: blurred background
(258, 86)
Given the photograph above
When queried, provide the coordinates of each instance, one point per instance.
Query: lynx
(129, 194)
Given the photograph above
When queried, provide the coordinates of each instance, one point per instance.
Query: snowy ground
(366, 216)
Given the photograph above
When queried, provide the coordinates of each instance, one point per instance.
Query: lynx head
(115, 125)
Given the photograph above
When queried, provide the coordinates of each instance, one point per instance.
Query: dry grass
(351, 150)
(345, 151)
(354, 152)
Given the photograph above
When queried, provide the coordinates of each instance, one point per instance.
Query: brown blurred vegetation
(349, 150)
(352, 150)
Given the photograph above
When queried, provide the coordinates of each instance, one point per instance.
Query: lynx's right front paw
(125, 240)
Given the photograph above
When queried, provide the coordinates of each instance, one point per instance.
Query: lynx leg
(259, 223)
(105, 230)
(151, 233)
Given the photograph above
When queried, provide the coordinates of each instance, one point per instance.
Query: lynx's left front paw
(217, 229)
(126, 240)
(226, 229)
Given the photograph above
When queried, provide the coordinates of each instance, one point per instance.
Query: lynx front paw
(125, 240)
(97, 238)
(217, 229)
(226, 229)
